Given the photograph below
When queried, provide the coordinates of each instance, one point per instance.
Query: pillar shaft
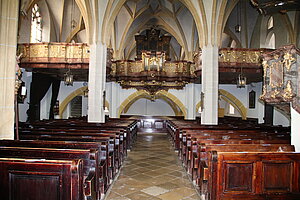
(97, 78)
(190, 101)
(114, 101)
(210, 81)
(8, 45)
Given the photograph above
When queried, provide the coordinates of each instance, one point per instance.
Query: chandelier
(241, 80)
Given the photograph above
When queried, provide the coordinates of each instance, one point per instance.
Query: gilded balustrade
(130, 68)
(232, 59)
(239, 55)
(54, 53)
(69, 53)
(281, 82)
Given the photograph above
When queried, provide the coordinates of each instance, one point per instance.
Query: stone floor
(152, 172)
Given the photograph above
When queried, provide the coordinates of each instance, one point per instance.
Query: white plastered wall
(154, 108)
(295, 130)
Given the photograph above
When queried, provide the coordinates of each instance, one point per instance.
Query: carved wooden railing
(54, 55)
(130, 68)
(42, 55)
(232, 59)
(281, 76)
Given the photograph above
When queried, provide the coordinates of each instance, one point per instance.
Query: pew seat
(40, 179)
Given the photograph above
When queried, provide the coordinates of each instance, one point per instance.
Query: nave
(152, 171)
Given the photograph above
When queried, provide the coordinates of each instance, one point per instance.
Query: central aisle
(152, 172)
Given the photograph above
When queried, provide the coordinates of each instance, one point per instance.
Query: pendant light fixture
(241, 79)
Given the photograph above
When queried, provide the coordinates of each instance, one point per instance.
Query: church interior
(150, 99)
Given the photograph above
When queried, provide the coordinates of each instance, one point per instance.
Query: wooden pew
(113, 162)
(128, 127)
(117, 134)
(252, 175)
(100, 147)
(186, 144)
(176, 127)
(200, 157)
(40, 179)
(88, 180)
(118, 137)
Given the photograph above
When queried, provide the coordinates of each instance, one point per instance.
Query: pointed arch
(173, 101)
(235, 102)
(231, 99)
(70, 97)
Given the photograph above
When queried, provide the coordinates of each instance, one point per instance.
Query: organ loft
(149, 99)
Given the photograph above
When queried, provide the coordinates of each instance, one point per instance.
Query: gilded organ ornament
(288, 93)
(288, 60)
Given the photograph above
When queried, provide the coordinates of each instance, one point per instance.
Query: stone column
(190, 101)
(97, 78)
(114, 102)
(8, 45)
(210, 87)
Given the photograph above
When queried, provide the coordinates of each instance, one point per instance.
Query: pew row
(40, 179)
(101, 149)
(89, 159)
(251, 175)
(200, 156)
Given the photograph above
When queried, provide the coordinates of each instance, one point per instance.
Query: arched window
(270, 35)
(231, 109)
(36, 25)
(270, 23)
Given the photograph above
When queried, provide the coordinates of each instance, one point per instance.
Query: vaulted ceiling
(170, 16)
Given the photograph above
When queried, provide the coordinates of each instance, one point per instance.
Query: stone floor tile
(154, 190)
(171, 196)
(169, 185)
(138, 196)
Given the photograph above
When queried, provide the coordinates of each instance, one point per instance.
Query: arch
(85, 11)
(233, 36)
(174, 107)
(70, 97)
(237, 104)
(176, 104)
(230, 98)
(127, 40)
(223, 18)
(198, 105)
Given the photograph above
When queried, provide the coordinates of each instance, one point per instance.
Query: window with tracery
(36, 25)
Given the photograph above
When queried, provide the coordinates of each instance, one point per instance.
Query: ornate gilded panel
(170, 67)
(247, 56)
(57, 51)
(281, 75)
(74, 51)
(38, 50)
